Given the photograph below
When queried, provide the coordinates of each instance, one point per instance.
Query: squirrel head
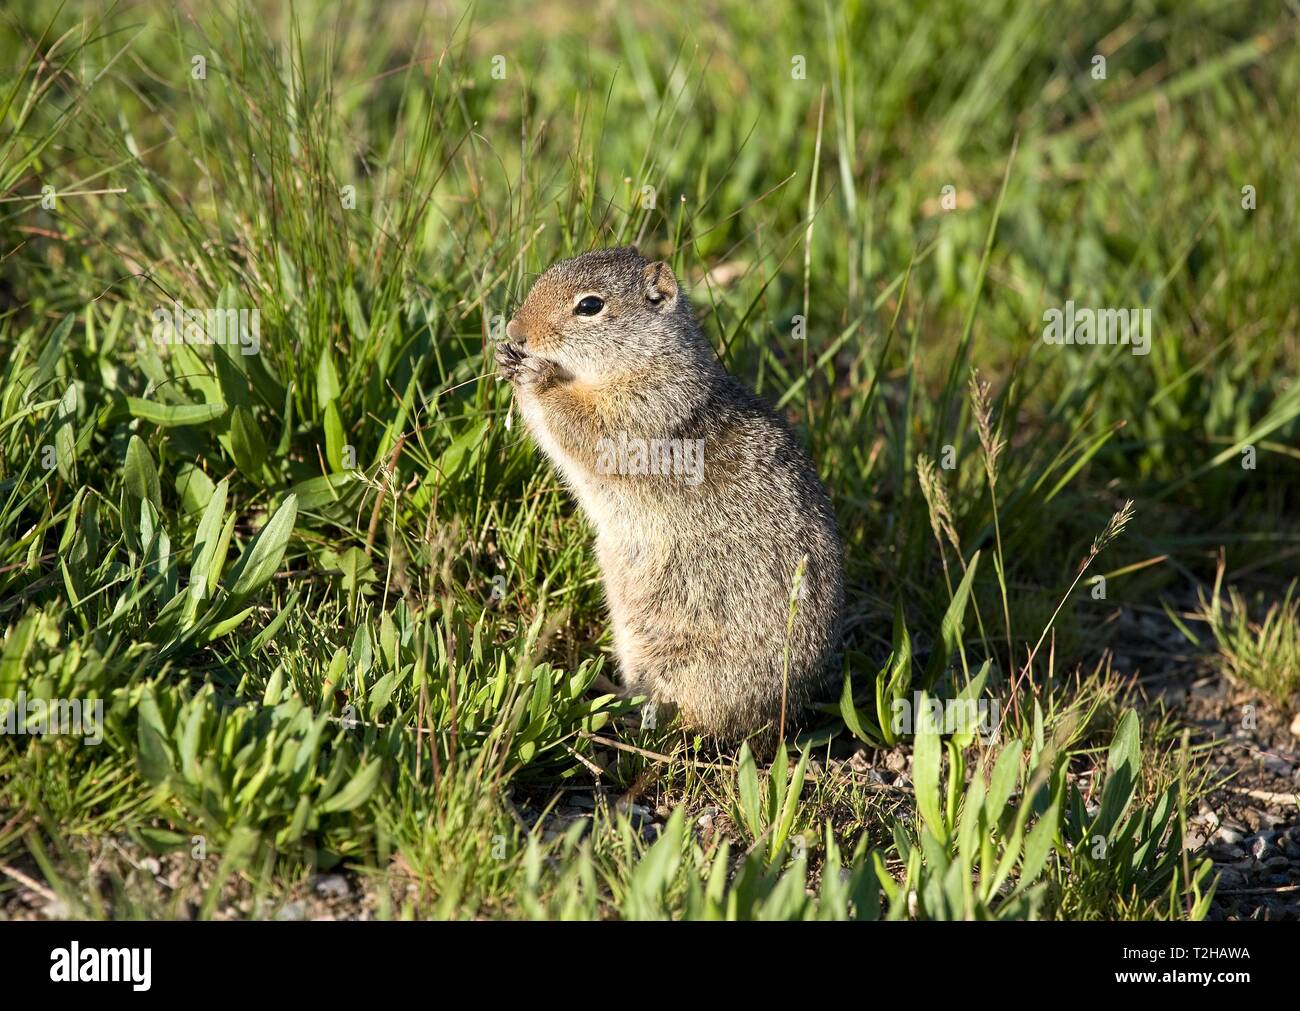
(606, 312)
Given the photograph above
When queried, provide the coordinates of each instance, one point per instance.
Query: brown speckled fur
(698, 576)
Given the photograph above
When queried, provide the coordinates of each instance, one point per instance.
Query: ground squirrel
(708, 513)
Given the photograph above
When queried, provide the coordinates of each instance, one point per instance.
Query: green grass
(340, 615)
(1263, 655)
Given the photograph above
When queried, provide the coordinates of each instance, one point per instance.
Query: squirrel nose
(516, 333)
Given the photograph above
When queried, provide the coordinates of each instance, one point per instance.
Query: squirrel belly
(716, 540)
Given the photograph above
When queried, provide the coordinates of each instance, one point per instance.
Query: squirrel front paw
(521, 369)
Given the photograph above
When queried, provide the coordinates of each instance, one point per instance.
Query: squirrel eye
(589, 306)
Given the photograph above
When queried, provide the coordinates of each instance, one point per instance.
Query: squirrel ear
(660, 285)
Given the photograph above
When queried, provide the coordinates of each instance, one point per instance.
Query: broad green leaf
(194, 487)
(317, 491)
(247, 444)
(747, 787)
(51, 351)
(227, 625)
(358, 790)
(853, 718)
(334, 437)
(334, 673)
(174, 415)
(654, 871)
(971, 822)
(17, 643)
(1006, 774)
(1038, 845)
(219, 554)
(454, 456)
(790, 806)
(151, 737)
(262, 557)
(950, 629)
(140, 474)
(206, 540)
(327, 379)
(65, 437)
(1122, 767)
(927, 755)
(968, 703)
(356, 316)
